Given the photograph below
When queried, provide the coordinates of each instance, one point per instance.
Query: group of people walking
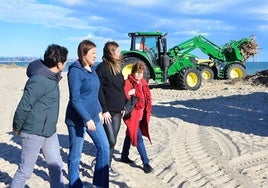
(97, 96)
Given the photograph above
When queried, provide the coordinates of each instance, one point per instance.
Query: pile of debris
(260, 78)
(249, 48)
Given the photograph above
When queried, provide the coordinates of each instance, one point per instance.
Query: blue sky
(29, 26)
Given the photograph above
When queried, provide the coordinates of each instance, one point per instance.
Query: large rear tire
(234, 71)
(127, 64)
(188, 79)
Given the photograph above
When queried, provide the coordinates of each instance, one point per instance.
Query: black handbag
(130, 104)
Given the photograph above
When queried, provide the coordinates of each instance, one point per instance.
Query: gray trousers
(31, 146)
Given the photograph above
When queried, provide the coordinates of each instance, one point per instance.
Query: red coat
(145, 102)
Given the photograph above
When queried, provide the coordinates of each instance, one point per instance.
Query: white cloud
(72, 2)
(260, 8)
(136, 3)
(35, 13)
(194, 7)
(191, 33)
(263, 27)
(193, 26)
(97, 18)
(100, 40)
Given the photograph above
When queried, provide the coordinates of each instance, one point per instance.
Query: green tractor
(226, 62)
(162, 66)
(182, 69)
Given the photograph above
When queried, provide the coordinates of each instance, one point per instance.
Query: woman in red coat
(138, 122)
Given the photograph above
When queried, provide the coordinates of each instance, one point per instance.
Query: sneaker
(147, 168)
(126, 160)
(112, 173)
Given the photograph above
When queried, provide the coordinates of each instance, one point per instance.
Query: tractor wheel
(207, 73)
(190, 79)
(235, 71)
(127, 64)
(174, 80)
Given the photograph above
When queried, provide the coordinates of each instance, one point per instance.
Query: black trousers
(112, 130)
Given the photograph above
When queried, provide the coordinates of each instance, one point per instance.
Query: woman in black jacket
(111, 93)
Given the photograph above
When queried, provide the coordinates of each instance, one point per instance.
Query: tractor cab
(151, 49)
(150, 43)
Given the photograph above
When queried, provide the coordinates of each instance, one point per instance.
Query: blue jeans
(112, 130)
(101, 172)
(31, 146)
(140, 147)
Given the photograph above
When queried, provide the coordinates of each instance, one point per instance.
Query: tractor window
(145, 43)
(149, 45)
(137, 43)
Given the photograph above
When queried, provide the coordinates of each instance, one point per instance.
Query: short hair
(138, 67)
(83, 48)
(55, 54)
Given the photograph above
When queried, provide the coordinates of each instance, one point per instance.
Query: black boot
(147, 168)
(126, 160)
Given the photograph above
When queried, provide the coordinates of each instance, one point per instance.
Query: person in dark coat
(111, 94)
(36, 117)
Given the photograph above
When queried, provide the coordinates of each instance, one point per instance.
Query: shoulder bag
(130, 104)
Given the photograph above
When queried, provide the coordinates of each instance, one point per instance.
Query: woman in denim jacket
(84, 115)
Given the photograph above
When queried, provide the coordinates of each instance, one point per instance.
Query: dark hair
(143, 39)
(55, 54)
(108, 51)
(83, 48)
(138, 67)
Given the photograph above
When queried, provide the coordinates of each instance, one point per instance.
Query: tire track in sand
(197, 156)
(165, 170)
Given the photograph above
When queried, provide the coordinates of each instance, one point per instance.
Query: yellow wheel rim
(236, 73)
(206, 75)
(192, 79)
(127, 70)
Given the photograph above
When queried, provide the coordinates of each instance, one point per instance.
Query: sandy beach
(215, 137)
